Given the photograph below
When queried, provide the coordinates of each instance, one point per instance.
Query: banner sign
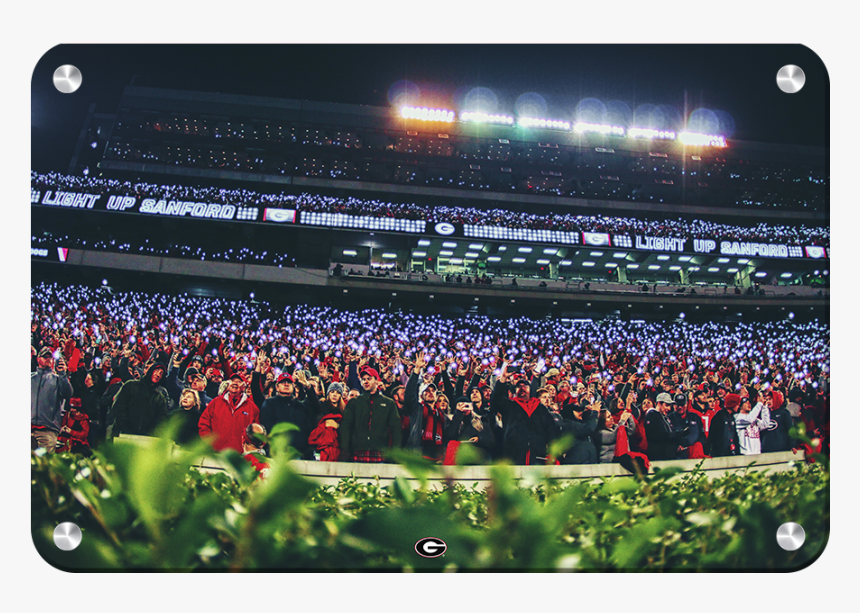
(229, 212)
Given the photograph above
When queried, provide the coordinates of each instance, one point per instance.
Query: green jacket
(370, 422)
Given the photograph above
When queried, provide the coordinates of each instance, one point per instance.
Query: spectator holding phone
(50, 390)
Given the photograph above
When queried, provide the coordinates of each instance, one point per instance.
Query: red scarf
(622, 446)
(529, 405)
(434, 421)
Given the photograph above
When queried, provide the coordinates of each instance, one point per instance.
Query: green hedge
(137, 511)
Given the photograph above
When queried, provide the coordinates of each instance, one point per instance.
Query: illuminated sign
(596, 239)
(704, 245)
(38, 252)
(444, 228)
(521, 234)
(62, 253)
(178, 208)
(760, 249)
(660, 243)
(816, 252)
(280, 215)
(120, 203)
(70, 199)
(356, 222)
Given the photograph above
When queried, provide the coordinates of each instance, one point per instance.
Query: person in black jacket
(426, 420)
(663, 440)
(285, 407)
(140, 405)
(467, 426)
(682, 419)
(582, 426)
(777, 438)
(528, 425)
(723, 435)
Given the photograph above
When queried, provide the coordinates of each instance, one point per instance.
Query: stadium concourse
(619, 391)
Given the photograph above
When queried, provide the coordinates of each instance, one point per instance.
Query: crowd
(358, 383)
(239, 255)
(799, 234)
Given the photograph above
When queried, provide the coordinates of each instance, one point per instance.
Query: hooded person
(140, 404)
(723, 435)
(777, 437)
(528, 425)
(225, 419)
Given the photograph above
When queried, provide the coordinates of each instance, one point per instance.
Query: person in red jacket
(225, 418)
(76, 427)
(324, 437)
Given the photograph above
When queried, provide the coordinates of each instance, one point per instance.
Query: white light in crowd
(723, 260)
(791, 315)
(104, 281)
(543, 261)
(619, 255)
(494, 258)
(826, 272)
(471, 254)
(663, 257)
(681, 315)
(596, 254)
(450, 245)
(476, 246)
(423, 243)
(633, 266)
(518, 260)
(389, 256)
(713, 269)
(816, 273)
(446, 254)
(524, 249)
(350, 252)
(588, 263)
(654, 267)
(565, 263)
(785, 275)
(252, 295)
(419, 254)
(701, 140)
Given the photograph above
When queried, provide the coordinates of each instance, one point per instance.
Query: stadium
(598, 259)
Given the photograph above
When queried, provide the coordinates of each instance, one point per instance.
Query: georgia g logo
(430, 547)
(444, 228)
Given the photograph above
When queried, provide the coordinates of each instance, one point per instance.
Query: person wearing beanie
(323, 438)
(722, 434)
(285, 406)
(777, 438)
(140, 405)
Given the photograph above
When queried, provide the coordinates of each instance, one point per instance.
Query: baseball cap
(285, 377)
(665, 398)
(45, 352)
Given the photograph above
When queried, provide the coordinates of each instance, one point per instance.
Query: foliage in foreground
(137, 511)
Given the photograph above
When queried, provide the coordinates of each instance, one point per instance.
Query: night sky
(736, 82)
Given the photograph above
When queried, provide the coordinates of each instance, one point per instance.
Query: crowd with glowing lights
(796, 234)
(624, 391)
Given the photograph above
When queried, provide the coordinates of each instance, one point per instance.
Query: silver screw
(790, 536)
(67, 78)
(67, 536)
(790, 79)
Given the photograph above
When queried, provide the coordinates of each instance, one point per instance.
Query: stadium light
(696, 139)
(494, 258)
(486, 118)
(654, 267)
(650, 134)
(419, 254)
(471, 254)
(542, 261)
(588, 263)
(598, 128)
(534, 122)
(389, 256)
(350, 252)
(633, 266)
(519, 260)
(425, 114)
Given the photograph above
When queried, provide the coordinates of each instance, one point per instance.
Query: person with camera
(468, 427)
(50, 390)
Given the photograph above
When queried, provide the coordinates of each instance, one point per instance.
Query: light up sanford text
(178, 208)
(70, 199)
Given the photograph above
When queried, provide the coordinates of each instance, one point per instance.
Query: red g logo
(430, 547)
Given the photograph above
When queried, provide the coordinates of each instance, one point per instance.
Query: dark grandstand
(234, 194)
